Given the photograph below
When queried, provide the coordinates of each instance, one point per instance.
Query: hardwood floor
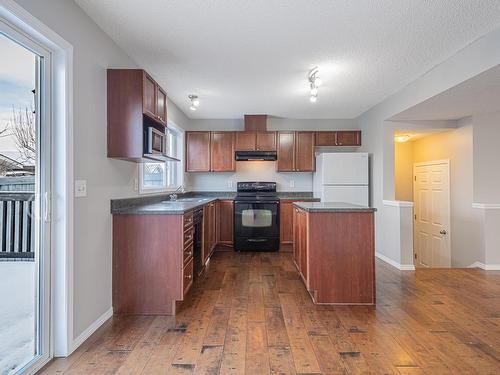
(250, 314)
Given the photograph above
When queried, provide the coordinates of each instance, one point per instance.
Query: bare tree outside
(22, 128)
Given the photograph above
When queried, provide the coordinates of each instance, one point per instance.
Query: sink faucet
(173, 196)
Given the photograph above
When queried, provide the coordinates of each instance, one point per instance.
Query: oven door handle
(257, 239)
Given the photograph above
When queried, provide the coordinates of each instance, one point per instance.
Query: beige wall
(457, 146)
(403, 171)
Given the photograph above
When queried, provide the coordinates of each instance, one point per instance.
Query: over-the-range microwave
(155, 144)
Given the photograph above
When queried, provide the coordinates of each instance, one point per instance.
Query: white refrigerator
(342, 177)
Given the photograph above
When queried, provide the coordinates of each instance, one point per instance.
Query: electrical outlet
(136, 184)
(229, 184)
(292, 183)
(80, 188)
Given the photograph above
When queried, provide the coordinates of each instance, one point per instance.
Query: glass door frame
(42, 195)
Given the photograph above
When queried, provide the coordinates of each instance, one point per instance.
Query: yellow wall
(403, 171)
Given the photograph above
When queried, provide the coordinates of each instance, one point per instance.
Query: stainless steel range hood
(255, 155)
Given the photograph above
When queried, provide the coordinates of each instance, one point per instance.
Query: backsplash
(249, 171)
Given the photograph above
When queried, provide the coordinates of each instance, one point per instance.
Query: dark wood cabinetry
(265, 141)
(152, 263)
(286, 224)
(300, 250)
(197, 151)
(134, 103)
(209, 230)
(338, 138)
(255, 141)
(286, 152)
(222, 152)
(225, 221)
(334, 254)
(296, 152)
(305, 160)
(348, 138)
(210, 152)
(244, 141)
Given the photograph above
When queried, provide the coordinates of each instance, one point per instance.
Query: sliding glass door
(24, 202)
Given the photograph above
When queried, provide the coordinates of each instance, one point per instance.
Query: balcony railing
(17, 225)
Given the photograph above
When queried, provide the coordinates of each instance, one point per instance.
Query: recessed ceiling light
(402, 138)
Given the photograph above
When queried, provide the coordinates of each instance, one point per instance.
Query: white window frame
(180, 169)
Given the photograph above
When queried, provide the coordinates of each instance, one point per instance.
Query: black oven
(256, 220)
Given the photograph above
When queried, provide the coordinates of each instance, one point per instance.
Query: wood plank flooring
(250, 314)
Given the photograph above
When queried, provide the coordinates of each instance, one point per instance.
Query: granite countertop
(161, 205)
(332, 207)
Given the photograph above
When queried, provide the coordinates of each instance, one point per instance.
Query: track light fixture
(314, 83)
(195, 102)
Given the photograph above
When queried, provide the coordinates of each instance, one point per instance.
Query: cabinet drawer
(188, 236)
(188, 252)
(187, 276)
(188, 219)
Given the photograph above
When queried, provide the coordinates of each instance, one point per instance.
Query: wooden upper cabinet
(348, 138)
(133, 101)
(222, 152)
(154, 100)
(197, 151)
(149, 96)
(286, 152)
(326, 138)
(245, 141)
(265, 141)
(161, 105)
(338, 138)
(304, 154)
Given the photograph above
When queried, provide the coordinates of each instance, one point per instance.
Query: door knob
(443, 232)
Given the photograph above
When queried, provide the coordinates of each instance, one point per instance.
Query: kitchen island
(334, 251)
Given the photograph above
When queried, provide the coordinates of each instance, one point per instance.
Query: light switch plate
(80, 188)
(292, 183)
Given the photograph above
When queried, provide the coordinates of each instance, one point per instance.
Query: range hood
(255, 155)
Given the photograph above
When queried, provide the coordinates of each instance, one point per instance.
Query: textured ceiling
(244, 56)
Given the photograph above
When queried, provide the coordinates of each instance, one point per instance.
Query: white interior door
(431, 197)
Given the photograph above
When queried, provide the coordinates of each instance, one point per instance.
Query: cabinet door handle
(189, 276)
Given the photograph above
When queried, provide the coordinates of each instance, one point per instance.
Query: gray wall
(476, 58)
(94, 51)
(487, 158)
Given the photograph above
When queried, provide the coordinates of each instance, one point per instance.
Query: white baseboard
(90, 330)
(486, 206)
(401, 267)
(486, 267)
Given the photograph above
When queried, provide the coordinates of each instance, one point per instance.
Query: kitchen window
(164, 176)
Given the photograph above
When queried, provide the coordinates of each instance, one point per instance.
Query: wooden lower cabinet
(152, 263)
(209, 231)
(286, 224)
(300, 250)
(334, 253)
(225, 222)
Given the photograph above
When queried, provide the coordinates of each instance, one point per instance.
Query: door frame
(415, 248)
(62, 341)
(43, 189)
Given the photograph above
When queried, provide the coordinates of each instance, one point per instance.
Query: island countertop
(332, 207)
